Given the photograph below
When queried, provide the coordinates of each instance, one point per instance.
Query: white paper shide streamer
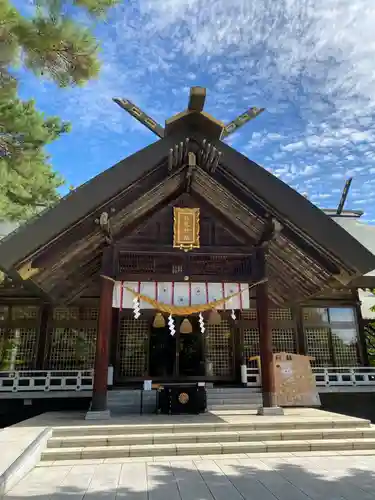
(201, 323)
(230, 304)
(136, 308)
(171, 325)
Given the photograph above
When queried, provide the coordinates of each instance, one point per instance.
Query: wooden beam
(241, 120)
(70, 280)
(140, 116)
(197, 99)
(239, 251)
(194, 278)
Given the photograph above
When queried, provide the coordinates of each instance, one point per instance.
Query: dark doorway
(162, 353)
(191, 358)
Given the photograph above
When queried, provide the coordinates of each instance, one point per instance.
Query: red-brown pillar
(265, 336)
(99, 396)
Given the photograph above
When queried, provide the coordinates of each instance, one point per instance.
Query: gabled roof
(364, 234)
(79, 203)
(64, 243)
(293, 208)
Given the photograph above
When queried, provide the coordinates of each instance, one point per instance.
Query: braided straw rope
(184, 310)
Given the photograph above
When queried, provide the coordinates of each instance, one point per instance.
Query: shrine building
(180, 264)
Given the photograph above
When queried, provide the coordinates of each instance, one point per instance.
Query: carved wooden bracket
(27, 271)
(105, 226)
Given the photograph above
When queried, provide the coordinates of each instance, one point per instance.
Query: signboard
(294, 380)
(186, 228)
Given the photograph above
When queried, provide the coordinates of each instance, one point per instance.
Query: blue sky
(310, 63)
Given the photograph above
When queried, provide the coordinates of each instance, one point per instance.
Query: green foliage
(27, 181)
(82, 348)
(96, 7)
(51, 44)
(370, 342)
(6, 350)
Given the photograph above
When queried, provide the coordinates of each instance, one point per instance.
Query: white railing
(82, 380)
(46, 381)
(358, 376)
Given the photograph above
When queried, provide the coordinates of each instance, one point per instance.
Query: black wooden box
(174, 400)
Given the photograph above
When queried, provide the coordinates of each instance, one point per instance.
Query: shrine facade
(108, 279)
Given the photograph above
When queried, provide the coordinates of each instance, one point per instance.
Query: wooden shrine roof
(59, 252)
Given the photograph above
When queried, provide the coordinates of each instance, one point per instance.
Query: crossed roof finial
(196, 103)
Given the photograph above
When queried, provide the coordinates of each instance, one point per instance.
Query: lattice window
(345, 344)
(317, 340)
(25, 341)
(22, 341)
(133, 347)
(274, 314)
(25, 312)
(284, 340)
(219, 349)
(65, 313)
(251, 342)
(4, 313)
(249, 314)
(316, 315)
(89, 313)
(339, 340)
(72, 349)
(280, 314)
(3, 332)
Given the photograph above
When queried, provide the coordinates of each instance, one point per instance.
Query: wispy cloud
(309, 62)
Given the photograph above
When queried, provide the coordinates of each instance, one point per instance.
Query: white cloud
(309, 62)
(309, 170)
(294, 146)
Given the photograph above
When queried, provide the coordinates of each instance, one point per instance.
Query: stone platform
(297, 476)
(71, 443)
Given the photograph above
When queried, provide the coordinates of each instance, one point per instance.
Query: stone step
(128, 402)
(232, 390)
(204, 426)
(209, 437)
(233, 407)
(234, 401)
(171, 449)
(234, 395)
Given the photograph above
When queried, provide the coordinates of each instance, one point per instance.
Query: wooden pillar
(301, 341)
(238, 340)
(265, 335)
(99, 396)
